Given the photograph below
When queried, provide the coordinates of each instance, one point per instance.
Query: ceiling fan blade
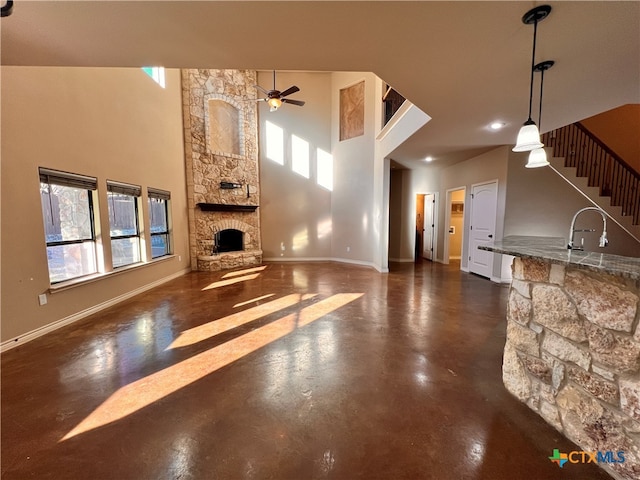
(289, 91)
(293, 102)
(261, 89)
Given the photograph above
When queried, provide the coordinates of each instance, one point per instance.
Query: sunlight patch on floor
(244, 272)
(220, 325)
(257, 299)
(144, 392)
(230, 281)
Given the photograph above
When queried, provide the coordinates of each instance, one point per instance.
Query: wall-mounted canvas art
(352, 111)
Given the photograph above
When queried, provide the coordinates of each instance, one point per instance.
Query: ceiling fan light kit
(275, 98)
(529, 135)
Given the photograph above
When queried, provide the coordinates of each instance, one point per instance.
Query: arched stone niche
(224, 131)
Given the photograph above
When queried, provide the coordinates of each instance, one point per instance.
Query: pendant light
(529, 135)
(538, 156)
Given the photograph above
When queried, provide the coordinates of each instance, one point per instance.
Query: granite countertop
(554, 250)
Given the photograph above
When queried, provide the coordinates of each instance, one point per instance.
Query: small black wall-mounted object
(6, 9)
(230, 185)
(224, 207)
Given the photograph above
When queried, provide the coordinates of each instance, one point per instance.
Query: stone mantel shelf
(554, 250)
(225, 207)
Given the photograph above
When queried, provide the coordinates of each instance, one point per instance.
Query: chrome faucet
(603, 238)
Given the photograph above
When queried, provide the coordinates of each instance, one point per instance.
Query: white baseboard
(50, 327)
(327, 259)
(402, 260)
(298, 259)
(500, 280)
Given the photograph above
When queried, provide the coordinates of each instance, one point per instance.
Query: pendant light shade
(537, 158)
(528, 137)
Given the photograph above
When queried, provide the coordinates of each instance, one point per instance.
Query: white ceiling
(463, 63)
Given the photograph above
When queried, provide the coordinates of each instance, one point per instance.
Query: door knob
(490, 236)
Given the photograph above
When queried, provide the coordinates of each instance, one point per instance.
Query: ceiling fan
(276, 98)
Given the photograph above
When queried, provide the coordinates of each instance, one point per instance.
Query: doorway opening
(454, 223)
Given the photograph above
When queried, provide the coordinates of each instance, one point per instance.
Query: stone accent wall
(573, 356)
(235, 125)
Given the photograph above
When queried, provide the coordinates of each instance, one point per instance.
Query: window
(159, 220)
(123, 223)
(67, 210)
(157, 73)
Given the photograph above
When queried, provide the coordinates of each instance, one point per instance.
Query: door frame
(447, 223)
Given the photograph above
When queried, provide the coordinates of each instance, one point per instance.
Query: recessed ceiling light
(428, 159)
(497, 125)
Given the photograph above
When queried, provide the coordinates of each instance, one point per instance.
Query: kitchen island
(572, 352)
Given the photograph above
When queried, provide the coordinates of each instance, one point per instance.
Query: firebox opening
(229, 240)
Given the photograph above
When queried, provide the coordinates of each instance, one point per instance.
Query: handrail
(392, 101)
(604, 146)
(596, 161)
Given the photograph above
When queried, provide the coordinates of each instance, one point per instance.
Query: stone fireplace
(221, 150)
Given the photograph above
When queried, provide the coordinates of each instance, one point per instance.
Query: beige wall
(402, 217)
(619, 129)
(395, 214)
(109, 123)
(295, 211)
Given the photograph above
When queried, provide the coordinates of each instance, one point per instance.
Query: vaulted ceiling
(465, 64)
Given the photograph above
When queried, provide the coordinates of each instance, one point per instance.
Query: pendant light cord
(533, 63)
(540, 112)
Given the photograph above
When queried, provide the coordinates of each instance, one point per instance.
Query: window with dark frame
(69, 224)
(124, 226)
(159, 222)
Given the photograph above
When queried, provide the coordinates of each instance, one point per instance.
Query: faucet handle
(603, 240)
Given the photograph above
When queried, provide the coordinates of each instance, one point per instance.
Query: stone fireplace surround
(221, 145)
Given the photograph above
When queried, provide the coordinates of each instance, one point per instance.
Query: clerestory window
(157, 73)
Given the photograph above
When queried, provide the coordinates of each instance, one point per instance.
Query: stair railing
(603, 168)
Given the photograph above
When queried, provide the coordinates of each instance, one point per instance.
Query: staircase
(598, 173)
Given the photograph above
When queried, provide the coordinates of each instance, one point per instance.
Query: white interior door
(484, 203)
(429, 225)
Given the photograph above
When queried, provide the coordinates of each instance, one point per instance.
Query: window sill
(62, 286)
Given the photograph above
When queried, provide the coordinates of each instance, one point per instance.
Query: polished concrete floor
(291, 371)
